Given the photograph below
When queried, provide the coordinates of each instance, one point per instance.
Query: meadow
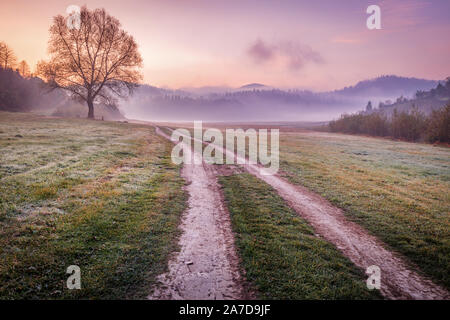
(101, 195)
(398, 191)
(280, 252)
(106, 196)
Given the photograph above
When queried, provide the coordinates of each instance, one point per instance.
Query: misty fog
(257, 102)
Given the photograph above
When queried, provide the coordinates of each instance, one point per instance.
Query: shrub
(438, 126)
(410, 126)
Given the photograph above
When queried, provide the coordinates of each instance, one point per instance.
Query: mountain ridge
(257, 103)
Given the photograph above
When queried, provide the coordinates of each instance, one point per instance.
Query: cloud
(288, 54)
(261, 52)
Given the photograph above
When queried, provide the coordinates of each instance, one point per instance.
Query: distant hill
(424, 100)
(250, 102)
(253, 86)
(388, 86)
(426, 117)
(258, 102)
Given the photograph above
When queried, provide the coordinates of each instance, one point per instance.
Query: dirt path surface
(398, 281)
(206, 267)
(363, 249)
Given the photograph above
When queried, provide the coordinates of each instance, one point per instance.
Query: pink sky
(319, 45)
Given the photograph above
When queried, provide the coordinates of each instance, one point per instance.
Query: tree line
(22, 94)
(412, 125)
(17, 88)
(8, 61)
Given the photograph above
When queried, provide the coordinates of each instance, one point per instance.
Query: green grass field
(104, 196)
(282, 256)
(398, 191)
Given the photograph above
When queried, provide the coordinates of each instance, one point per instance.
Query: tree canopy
(94, 61)
(7, 57)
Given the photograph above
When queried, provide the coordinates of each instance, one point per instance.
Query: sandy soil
(206, 267)
(398, 280)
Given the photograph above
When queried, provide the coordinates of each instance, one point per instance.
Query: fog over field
(257, 102)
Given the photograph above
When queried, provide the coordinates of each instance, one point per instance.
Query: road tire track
(207, 266)
(398, 280)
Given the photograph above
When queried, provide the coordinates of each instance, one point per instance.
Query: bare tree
(2, 49)
(24, 69)
(7, 57)
(94, 61)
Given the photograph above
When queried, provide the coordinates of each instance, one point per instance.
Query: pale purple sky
(319, 45)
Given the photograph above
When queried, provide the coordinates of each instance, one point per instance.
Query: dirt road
(398, 280)
(206, 267)
(363, 249)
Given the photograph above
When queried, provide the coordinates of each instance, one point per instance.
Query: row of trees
(19, 90)
(8, 61)
(441, 90)
(410, 125)
(19, 93)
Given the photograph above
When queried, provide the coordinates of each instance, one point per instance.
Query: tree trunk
(91, 109)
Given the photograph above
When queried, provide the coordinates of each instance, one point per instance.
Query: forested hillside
(425, 118)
